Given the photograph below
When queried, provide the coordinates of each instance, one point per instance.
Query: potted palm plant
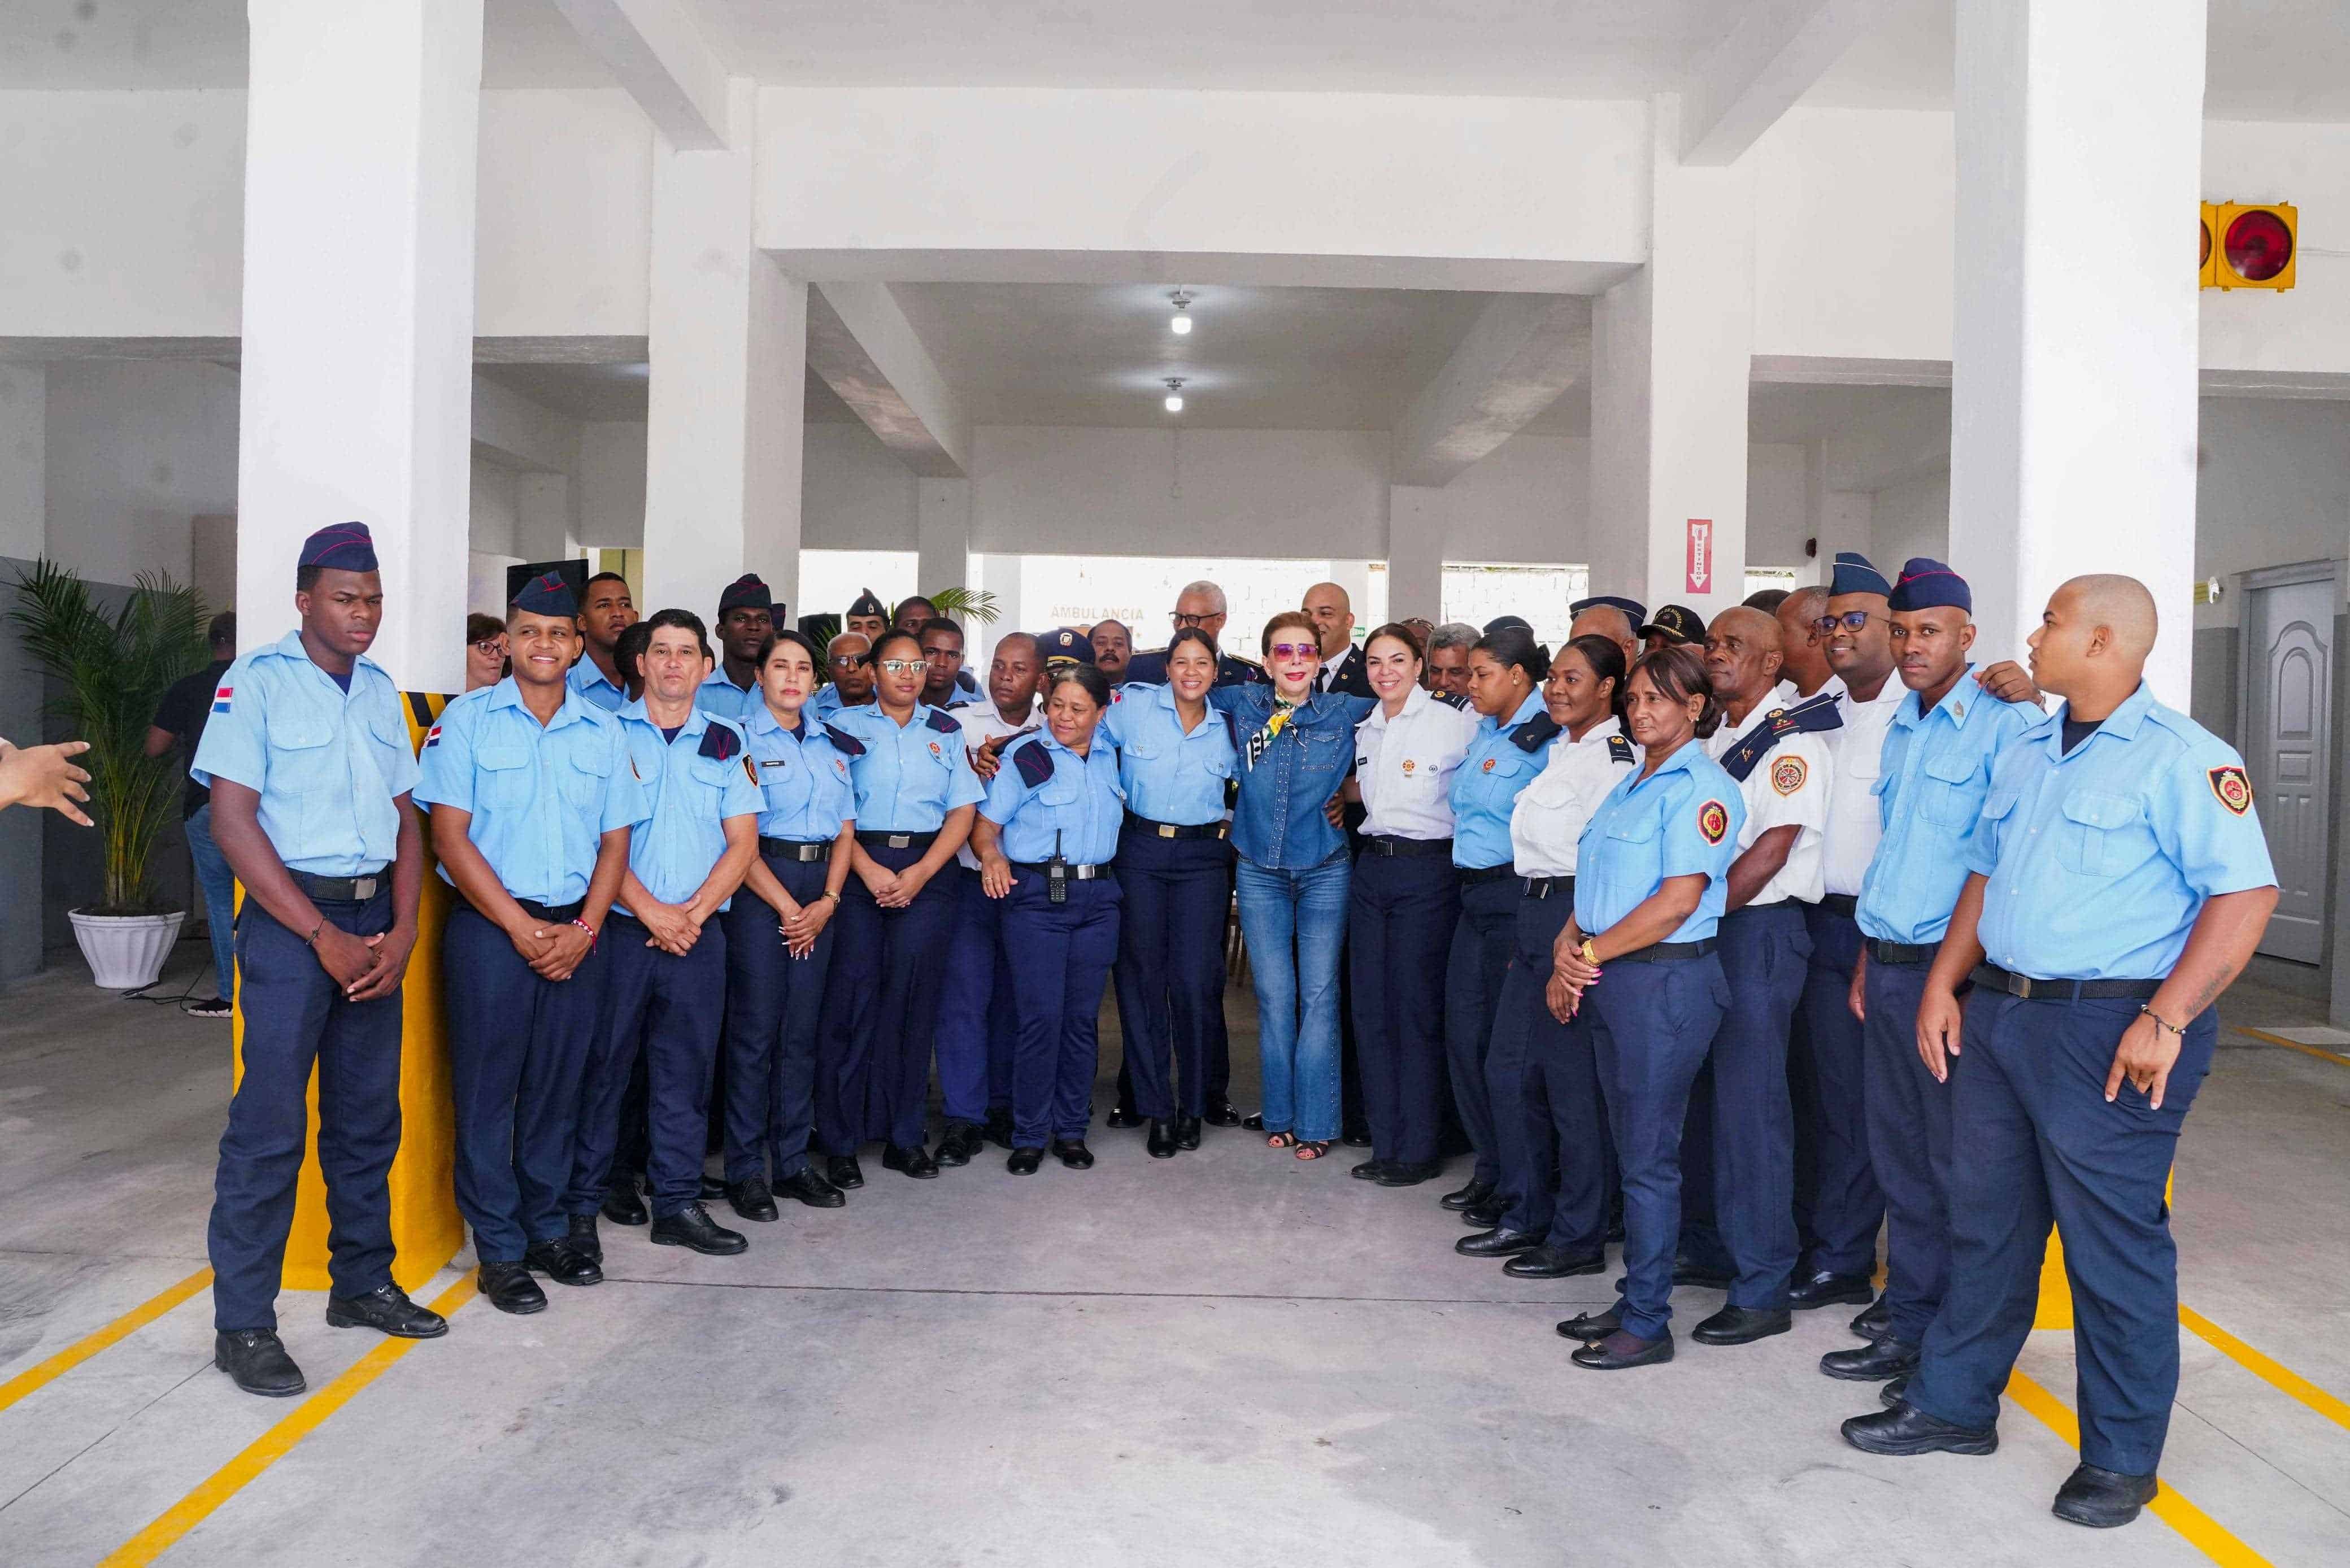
(114, 670)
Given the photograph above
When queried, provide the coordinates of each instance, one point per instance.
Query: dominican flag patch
(221, 699)
(432, 737)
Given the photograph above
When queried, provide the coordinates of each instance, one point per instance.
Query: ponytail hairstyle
(1678, 673)
(1517, 645)
(1094, 683)
(1606, 656)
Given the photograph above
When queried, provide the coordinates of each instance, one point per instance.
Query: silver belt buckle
(2021, 986)
(901, 841)
(1166, 830)
(363, 889)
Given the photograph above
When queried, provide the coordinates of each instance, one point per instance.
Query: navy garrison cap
(1854, 575)
(1927, 583)
(869, 603)
(345, 547)
(1065, 645)
(1634, 610)
(547, 594)
(745, 592)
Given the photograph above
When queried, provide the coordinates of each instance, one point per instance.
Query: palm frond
(966, 604)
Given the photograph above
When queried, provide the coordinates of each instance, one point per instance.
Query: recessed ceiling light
(1174, 394)
(1181, 323)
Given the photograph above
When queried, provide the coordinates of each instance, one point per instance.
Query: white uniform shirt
(1854, 826)
(1405, 766)
(981, 724)
(1790, 784)
(1553, 810)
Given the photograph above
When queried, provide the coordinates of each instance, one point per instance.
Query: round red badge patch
(1787, 774)
(1713, 821)
(1487, 767)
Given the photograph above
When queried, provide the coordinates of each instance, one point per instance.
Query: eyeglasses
(851, 660)
(1180, 619)
(904, 666)
(490, 647)
(1297, 651)
(1851, 620)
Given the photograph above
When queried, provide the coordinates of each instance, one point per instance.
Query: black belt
(1075, 873)
(341, 889)
(554, 914)
(1845, 904)
(1991, 976)
(1406, 848)
(1218, 828)
(1899, 952)
(898, 840)
(1471, 876)
(1543, 887)
(1665, 952)
(798, 849)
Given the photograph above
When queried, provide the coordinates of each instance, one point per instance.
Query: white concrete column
(1671, 356)
(356, 398)
(728, 346)
(1838, 519)
(943, 535)
(543, 522)
(2072, 390)
(1416, 535)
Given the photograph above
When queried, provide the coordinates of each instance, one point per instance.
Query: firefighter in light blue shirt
(604, 612)
(746, 613)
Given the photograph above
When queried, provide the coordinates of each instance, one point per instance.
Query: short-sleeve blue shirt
(1170, 777)
(693, 793)
(911, 775)
(2099, 861)
(1935, 770)
(718, 695)
(1485, 786)
(328, 763)
(1080, 805)
(1683, 820)
(803, 780)
(541, 796)
(588, 682)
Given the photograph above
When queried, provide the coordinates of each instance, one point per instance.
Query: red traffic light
(2204, 228)
(2259, 247)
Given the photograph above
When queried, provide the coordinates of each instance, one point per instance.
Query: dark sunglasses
(1851, 620)
(851, 660)
(1297, 651)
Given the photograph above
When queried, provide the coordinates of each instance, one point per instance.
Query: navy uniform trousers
(518, 1052)
(1558, 1164)
(1739, 1148)
(880, 1011)
(975, 1023)
(2033, 1141)
(667, 1008)
(294, 1016)
(1838, 1204)
(1401, 912)
(1065, 951)
(1170, 965)
(1482, 945)
(1909, 1147)
(773, 1003)
(1651, 1026)
(1216, 1069)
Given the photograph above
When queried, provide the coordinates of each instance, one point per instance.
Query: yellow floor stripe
(122, 1328)
(2200, 1527)
(2275, 1375)
(2320, 1052)
(273, 1444)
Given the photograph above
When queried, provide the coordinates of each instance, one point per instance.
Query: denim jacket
(1279, 823)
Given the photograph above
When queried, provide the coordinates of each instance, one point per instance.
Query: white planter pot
(126, 951)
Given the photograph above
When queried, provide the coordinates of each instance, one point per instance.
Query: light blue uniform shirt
(803, 780)
(909, 777)
(1935, 770)
(327, 763)
(1486, 784)
(718, 695)
(1682, 821)
(2099, 862)
(585, 681)
(1077, 806)
(692, 796)
(1170, 776)
(825, 704)
(541, 796)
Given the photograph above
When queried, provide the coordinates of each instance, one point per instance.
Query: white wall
(1911, 518)
(494, 508)
(612, 486)
(855, 494)
(1778, 519)
(2272, 489)
(1524, 501)
(135, 448)
(565, 215)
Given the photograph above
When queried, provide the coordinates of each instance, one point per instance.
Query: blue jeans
(1294, 923)
(218, 885)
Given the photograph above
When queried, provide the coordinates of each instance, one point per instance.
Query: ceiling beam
(1520, 354)
(655, 49)
(862, 347)
(1778, 49)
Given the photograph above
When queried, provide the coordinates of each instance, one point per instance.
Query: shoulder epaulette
(1619, 750)
(1451, 700)
(1535, 733)
(720, 741)
(846, 745)
(943, 722)
(1819, 714)
(1033, 761)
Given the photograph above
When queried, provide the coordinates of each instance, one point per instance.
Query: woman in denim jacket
(1297, 747)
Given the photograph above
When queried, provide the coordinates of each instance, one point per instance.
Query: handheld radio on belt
(1057, 873)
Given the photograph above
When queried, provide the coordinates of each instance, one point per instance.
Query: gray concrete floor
(1228, 1358)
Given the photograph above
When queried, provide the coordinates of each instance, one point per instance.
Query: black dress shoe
(1497, 1243)
(558, 1263)
(713, 1188)
(843, 1171)
(752, 1199)
(1221, 1114)
(1874, 1323)
(387, 1309)
(811, 1188)
(1253, 1121)
(1591, 1328)
(584, 1241)
(1187, 1132)
(1888, 1357)
(1688, 1270)
(1830, 1290)
(1468, 1197)
(961, 1141)
(1907, 1430)
(1410, 1172)
(691, 1226)
(256, 1363)
(1368, 1170)
(1484, 1215)
(1742, 1325)
(1123, 1116)
(1893, 1392)
(1615, 1226)
(912, 1160)
(1024, 1162)
(1354, 1137)
(1621, 1352)
(623, 1207)
(1548, 1263)
(999, 1126)
(2101, 1499)
(1161, 1142)
(509, 1288)
(1073, 1153)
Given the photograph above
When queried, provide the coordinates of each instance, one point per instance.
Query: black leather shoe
(1221, 1114)
(1368, 1170)
(509, 1288)
(1871, 1363)
(1161, 1142)
(1548, 1263)
(1907, 1430)
(810, 1189)
(961, 1141)
(1893, 1392)
(1688, 1270)
(1484, 1215)
(713, 1188)
(999, 1126)
(584, 1241)
(1073, 1153)
(1468, 1197)
(257, 1362)
(1024, 1162)
(1187, 1132)
(2101, 1499)
(623, 1207)
(1253, 1121)
(1874, 1323)
(387, 1309)
(752, 1199)
(1497, 1243)
(558, 1263)
(1123, 1116)
(1354, 1137)
(1742, 1325)
(1830, 1290)
(1591, 1328)
(691, 1226)
(1615, 1226)
(913, 1160)
(1621, 1352)
(1410, 1172)
(843, 1171)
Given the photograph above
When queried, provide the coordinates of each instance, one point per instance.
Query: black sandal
(1311, 1148)
(1281, 1140)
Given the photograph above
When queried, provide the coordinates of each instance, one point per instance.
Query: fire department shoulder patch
(1787, 774)
(1713, 821)
(2233, 788)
